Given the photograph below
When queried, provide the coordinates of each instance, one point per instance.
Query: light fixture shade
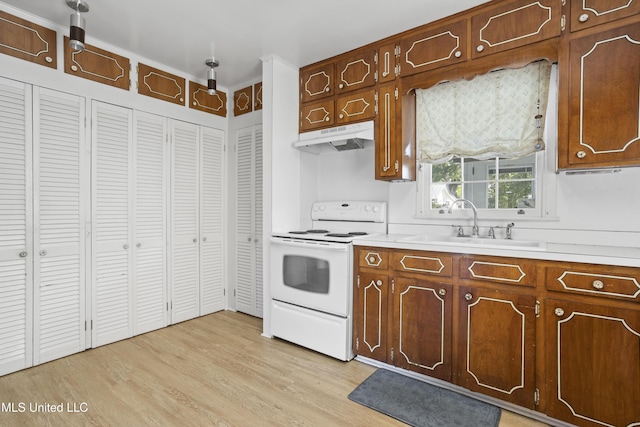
(76, 32)
(211, 75)
(211, 81)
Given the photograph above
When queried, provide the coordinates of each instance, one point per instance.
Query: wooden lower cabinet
(497, 344)
(593, 363)
(421, 326)
(371, 316)
(564, 340)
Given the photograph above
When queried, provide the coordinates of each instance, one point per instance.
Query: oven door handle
(338, 247)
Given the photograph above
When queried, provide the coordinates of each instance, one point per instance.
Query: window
(500, 186)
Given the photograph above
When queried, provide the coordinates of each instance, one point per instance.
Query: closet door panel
(112, 218)
(16, 252)
(245, 262)
(59, 219)
(249, 220)
(211, 221)
(149, 256)
(184, 222)
(258, 220)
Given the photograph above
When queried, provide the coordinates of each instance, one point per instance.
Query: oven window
(306, 273)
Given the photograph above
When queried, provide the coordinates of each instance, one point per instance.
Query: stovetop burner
(313, 231)
(338, 235)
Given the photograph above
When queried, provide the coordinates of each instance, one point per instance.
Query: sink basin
(530, 245)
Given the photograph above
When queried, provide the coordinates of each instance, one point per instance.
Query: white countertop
(593, 254)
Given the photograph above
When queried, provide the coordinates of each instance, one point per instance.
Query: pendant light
(77, 25)
(211, 75)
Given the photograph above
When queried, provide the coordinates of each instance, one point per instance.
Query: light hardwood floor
(211, 371)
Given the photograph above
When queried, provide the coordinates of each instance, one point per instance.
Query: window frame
(545, 182)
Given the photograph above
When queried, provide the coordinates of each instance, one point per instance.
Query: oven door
(312, 274)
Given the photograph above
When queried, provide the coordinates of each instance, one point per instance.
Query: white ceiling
(182, 34)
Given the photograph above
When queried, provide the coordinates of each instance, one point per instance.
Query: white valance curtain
(499, 114)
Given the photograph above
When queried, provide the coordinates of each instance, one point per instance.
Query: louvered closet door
(211, 220)
(59, 218)
(258, 219)
(149, 254)
(249, 220)
(184, 284)
(112, 210)
(16, 252)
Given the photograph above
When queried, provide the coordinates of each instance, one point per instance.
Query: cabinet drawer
(371, 258)
(611, 282)
(511, 271)
(423, 263)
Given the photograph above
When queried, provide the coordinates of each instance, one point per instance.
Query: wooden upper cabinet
(355, 72)
(317, 115)
(515, 24)
(603, 92)
(28, 41)
(589, 13)
(388, 62)
(433, 48)
(317, 81)
(356, 107)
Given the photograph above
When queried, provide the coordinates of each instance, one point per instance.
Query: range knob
(376, 209)
(367, 208)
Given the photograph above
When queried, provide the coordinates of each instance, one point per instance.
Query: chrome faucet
(475, 214)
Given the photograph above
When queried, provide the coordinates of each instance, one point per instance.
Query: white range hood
(341, 138)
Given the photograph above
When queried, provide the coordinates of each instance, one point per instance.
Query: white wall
(281, 163)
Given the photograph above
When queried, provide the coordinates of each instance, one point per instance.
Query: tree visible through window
(490, 184)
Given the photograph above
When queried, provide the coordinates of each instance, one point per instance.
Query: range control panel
(366, 211)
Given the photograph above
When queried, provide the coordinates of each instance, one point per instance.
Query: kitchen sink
(530, 245)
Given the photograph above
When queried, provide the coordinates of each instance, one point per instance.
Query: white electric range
(312, 275)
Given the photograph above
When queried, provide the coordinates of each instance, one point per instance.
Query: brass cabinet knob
(468, 297)
(583, 18)
(559, 312)
(598, 284)
(442, 292)
(581, 154)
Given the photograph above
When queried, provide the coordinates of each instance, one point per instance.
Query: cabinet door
(497, 344)
(422, 327)
(210, 217)
(593, 362)
(604, 99)
(356, 72)
(184, 259)
(317, 115)
(433, 48)
(150, 236)
(317, 82)
(16, 227)
(589, 13)
(356, 107)
(370, 317)
(387, 62)
(515, 24)
(387, 159)
(112, 210)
